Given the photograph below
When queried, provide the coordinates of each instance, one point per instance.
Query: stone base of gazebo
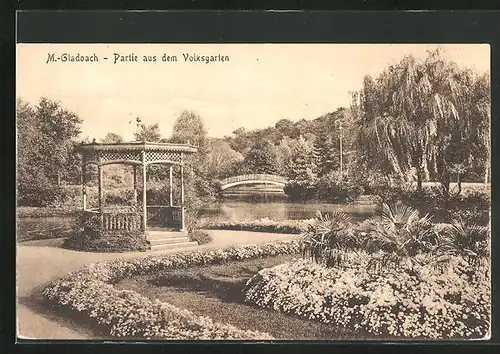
(115, 221)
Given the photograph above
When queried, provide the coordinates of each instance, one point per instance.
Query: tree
(58, 128)
(189, 128)
(326, 154)
(302, 127)
(112, 138)
(262, 158)
(301, 171)
(28, 142)
(222, 161)
(241, 141)
(284, 155)
(45, 141)
(148, 132)
(302, 162)
(480, 127)
(417, 116)
(285, 127)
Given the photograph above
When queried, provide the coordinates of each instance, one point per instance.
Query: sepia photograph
(253, 192)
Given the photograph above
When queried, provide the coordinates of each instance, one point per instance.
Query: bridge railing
(254, 177)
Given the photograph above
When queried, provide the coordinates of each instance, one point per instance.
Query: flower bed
(262, 225)
(130, 315)
(394, 304)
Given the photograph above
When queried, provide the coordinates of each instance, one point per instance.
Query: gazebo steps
(168, 239)
(161, 234)
(166, 246)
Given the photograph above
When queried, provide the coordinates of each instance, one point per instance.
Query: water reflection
(277, 207)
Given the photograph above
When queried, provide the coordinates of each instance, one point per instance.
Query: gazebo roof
(138, 146)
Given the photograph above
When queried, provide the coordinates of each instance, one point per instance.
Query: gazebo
(138, 155)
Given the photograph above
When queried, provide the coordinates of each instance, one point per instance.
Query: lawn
(216, 292)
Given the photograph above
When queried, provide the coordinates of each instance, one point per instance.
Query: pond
(238, 208)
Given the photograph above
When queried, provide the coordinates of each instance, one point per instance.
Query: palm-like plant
(327, 239)
(468, 240)
(398, 215)
(402, 238)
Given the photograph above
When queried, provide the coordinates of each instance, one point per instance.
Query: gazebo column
(144, 202)
(135, 185)
(101, 189)
(84, 188)
(182, 199)
(171, 187)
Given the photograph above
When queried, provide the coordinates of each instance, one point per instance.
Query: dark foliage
(474, 206)
(332, 188)
(200, 236)
(119, 242)
(296, 191)
(38, 193)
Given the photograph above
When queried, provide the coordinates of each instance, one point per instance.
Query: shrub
(89, 236)
(398, 238)
(119, 196)
(41, 212)
(472, 205)
(157, 194)
(296, 191)
(130, 315)
(116, 242)
(200, 236)
(262, 225)
(469, 240)
(394, 304)
(39, 193)
(401, 238)
(334, 189)
(328, 239)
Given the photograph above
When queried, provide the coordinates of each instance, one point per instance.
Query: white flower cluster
(128, 314)
(392, 303)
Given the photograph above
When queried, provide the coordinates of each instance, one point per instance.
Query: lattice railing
(116, 220)
(129, 221)
(254, 177)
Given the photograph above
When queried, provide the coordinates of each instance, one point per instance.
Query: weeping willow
(425, 116)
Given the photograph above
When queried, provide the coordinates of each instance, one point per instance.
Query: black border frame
(236, 27)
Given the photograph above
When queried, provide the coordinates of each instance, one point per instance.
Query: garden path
(38, 262)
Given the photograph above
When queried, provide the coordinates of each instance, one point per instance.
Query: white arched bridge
(253, 179)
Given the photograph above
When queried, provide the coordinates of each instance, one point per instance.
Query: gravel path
(38, 262)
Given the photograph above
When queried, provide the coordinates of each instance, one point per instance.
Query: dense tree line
(417, 121)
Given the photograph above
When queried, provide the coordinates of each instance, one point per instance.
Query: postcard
(253, 192)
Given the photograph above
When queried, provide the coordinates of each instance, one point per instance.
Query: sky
(258, 86)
